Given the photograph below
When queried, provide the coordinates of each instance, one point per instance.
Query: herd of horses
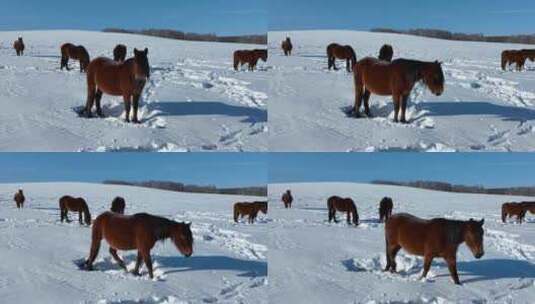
(518, 57)
(123, 77)
(429, 238)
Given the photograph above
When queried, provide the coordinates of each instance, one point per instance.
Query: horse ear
(482, 221)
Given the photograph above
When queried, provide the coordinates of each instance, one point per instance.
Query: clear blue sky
(223, 17)
(469, 16)
(220, 169)
(487, 169)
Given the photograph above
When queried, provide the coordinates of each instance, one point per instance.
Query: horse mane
(160, 226)
(454, 231)
(414, 67)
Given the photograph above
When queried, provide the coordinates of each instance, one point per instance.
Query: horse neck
(162, 228)
(456, 232)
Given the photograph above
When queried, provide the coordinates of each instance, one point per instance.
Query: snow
(313, 261)
(194, 100)
(40, 253)
(482, 109)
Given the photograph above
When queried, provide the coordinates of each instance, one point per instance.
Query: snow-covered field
(194, 100)
(39, 253)
(312, 261)
(482, 108)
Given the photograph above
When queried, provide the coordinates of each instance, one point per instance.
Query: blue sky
(220, 169)
(469, 16)
(487, 169)
(223, 17)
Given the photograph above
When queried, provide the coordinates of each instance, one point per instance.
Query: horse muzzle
(479, 255)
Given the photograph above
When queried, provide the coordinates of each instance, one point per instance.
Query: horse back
(108, 75)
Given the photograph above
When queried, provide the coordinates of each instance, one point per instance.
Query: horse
(251, 209)
(250, 57)
(137, 232)
(529, 206)
(119, 53)
(19, 199)
(385, 209)
(432, 238)
(386, 52)
(118, 204)
(125, 79)
(513, 209)
(346, 52)
(19, 46)
(68, 203)
(396, 78)
(287, 47)
(515, 56)
(287, 199)
(76, 52)
(347, 205)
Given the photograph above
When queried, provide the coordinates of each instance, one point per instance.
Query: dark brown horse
(433, 238)
(287, 47)
(75, 52)
(529, 206)
(119, 53)
(385, 209)
(397, 79)
(250, 57)
(517, 57)
(386, 52)
(19, 46)
(251, 209)
(337, 51)
(137, 232)
(287, 199)
(19, 199)
(125, 79)
(513, 209)
(118, 204)
(336, 203)
(68, 203)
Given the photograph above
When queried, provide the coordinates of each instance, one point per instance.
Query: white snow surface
(40, 254)
(313, 261)
(482, 109)
(194, 100)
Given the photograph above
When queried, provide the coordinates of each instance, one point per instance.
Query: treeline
(442, 34)
(172, 34)
(443, 186)
(180, 187)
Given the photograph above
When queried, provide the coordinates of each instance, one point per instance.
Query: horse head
(473, 237)
(142, 68)
(182, 238)
(433, 77)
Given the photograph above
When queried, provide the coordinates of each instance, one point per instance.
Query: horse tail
(504, 212)
(236, 212)
(236, 60)
(504, 60)
(353, 57)
(330, 206)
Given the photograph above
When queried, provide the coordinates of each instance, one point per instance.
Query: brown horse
(385, 209)
(529, 206)
(396, 78)
(76, 52)
(517, 57)
(513, 209)
(251, 209)
(287, 199)
(386, 52)
(118, 204)
(137, 232)
(119, 53)
(19, 199)
(337, 51)
(19, 46)
(125, 79)
(347, 205)
(437, 237)
(68, 203)
(250, 57)
(287, 47)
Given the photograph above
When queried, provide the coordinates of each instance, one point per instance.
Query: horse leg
(98, 97)
(96, 237)
(348, 218)
(396, 106)
(358, 97)
(427, 264)
(89, 102)
(138, 264)
(136, 105)
(127, 107)
(452, 266)
(404, 100)
(366, 98)
(347, 66)
(148, 262)
(392, 252)
(330, 215)
(80, 217)
(119, 261)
